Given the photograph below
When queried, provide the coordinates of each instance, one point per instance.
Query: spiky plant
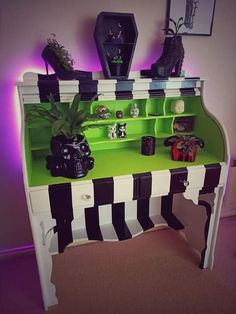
(177, 26)
(68, 123)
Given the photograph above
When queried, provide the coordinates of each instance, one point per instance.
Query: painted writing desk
(126, 192)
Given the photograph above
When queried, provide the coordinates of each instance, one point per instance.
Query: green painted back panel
(122, 156)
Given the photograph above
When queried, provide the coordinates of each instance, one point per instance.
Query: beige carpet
(152, 273)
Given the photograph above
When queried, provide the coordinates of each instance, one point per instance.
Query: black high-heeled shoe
(171, 58)
(63, 69)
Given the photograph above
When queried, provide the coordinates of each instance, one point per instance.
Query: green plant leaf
(61, 127)
(171, 20)
(169, 30)
(74, 109)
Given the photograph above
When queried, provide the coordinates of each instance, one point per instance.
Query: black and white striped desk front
(113, 198)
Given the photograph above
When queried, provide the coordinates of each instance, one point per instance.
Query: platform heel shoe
(171, 59)
(61, 62)
(172, 55)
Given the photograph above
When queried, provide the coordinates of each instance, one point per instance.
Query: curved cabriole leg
(206, 229)
(44, 260)
(211, 230)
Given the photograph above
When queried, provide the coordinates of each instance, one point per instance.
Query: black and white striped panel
(136, 186)
(107, 195)
(114, 222)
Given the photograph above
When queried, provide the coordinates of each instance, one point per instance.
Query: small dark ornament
(103, 112)
(119, 114)
(172, 54)
(122, 130)
(115, 34)
(183, 124)
(115, 61)
(184, 147)
(70, 157)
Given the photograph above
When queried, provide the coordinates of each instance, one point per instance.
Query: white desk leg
(213, 228)
(44, 261)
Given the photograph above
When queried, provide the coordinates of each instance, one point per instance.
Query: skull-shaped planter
(70, 157)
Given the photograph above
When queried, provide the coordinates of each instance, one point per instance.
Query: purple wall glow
(12, 122)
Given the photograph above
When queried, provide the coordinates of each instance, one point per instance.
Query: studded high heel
(59, 59)
(171, 59)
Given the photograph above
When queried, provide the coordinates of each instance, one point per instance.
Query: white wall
(24, 27)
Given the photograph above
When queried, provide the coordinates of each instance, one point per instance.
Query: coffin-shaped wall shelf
(115, 36)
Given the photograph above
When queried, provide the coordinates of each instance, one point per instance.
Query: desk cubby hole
(135, 129)
(115, 22)
(190, 105)
(164, 127)
(40, 137)
(154, 106)
(112, 50)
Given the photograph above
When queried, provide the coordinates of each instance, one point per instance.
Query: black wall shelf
(115, 36)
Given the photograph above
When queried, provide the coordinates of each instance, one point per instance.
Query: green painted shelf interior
(122, 155)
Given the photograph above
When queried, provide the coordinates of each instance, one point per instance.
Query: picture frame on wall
(197, 16)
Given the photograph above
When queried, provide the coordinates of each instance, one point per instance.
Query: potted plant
(61, 61)
(115, 63)
(70, 150)
(184, 147)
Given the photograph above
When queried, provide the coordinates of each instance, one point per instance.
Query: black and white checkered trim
(37, 89)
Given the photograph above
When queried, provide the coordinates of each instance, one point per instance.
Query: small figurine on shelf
(103, 112)
(122, 130)
(134, 111)
(177, 106)
(115, 62)
(115, 34)
(183, 124)
(119, 114)
(112, 131)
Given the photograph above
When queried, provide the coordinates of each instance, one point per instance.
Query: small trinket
(134, 111)
(148, 145)
(119, 114)
(112, 131)
(177, 106)
(103, 112)
(122, 130)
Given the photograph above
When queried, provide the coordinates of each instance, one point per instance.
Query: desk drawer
(75, 195)
(82, 194)
(203, 177)
(129, 187)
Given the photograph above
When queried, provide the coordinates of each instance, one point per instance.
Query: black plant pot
(115, 69)
(70, 157)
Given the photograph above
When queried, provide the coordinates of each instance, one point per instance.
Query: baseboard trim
(25, 249)
(228, 213)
